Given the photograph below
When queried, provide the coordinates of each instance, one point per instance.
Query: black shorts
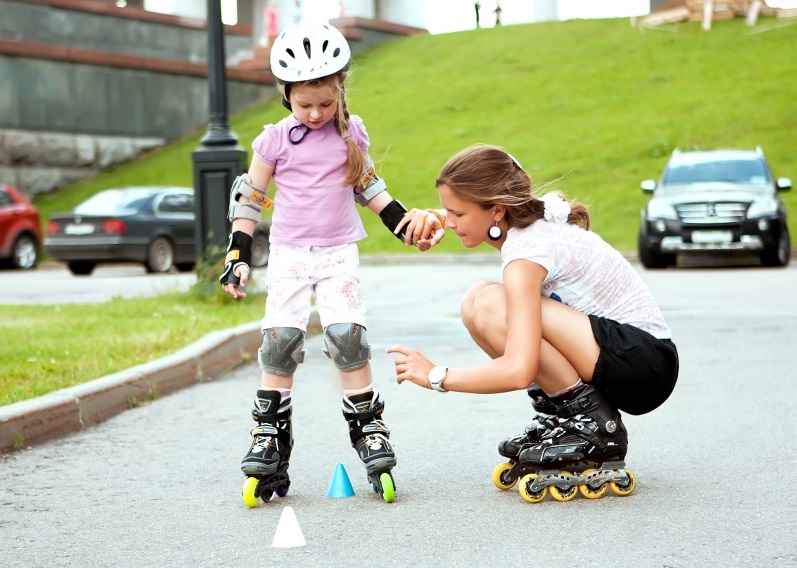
(636, 371)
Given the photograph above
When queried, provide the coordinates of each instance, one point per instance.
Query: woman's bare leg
(568, 350)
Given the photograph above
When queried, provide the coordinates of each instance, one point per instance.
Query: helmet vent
(306, 43)
(289, 51)
(324, 46)
(336, 52)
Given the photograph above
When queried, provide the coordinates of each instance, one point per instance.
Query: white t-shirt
(586, 274)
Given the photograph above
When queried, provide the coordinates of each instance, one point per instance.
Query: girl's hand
(423, 229)
(411, 366)
(236, 291)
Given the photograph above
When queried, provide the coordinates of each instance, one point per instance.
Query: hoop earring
(495, 233)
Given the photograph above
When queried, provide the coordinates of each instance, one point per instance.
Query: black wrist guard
(391, 216)
(239, 251)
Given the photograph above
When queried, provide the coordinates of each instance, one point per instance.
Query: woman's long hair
(488, 175)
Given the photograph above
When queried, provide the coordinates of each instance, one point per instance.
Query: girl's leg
(287, 308)
(357, 381)
(342, 315)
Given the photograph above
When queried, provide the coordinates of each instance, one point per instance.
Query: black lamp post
(220, 159)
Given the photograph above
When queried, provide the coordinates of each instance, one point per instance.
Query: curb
(81, 406)
(78, 407)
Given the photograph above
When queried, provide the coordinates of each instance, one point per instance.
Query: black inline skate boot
(585, 452)
(369, 436)
(266, 463)
(506, 474)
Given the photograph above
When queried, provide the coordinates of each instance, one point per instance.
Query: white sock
(350, 392)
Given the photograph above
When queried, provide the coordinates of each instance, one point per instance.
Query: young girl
(572, 323)
(318, 159)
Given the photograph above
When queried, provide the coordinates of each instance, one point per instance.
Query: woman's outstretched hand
(411, 365)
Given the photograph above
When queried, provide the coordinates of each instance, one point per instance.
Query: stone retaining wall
(39, 162)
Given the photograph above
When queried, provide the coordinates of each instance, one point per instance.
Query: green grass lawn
(593, 102)
(46, 348)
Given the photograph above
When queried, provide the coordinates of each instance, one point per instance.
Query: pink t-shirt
(312, 207)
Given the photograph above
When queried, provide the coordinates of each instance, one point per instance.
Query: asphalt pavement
(159, 485)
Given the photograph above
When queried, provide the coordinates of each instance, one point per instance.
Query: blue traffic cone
(340, 485)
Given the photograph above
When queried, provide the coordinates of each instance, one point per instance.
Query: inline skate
(369, 436)
(585, 453)
(505, 475)
(266, 463)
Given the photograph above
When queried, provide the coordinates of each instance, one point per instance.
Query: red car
(20, 234)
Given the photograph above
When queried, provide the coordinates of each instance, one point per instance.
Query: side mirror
(783, 184)
(648, 186)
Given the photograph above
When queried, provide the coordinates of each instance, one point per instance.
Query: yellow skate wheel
(591, 491)
(567, 494)
(527, 493)
(388, 488)
(248, 492)
(626, 489)
(500, 480)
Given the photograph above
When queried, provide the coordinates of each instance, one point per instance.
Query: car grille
(711, 213)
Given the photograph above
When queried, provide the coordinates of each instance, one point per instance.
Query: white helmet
(309, 51)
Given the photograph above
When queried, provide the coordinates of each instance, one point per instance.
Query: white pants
(297, 274)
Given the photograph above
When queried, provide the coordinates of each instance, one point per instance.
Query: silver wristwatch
(436, 377)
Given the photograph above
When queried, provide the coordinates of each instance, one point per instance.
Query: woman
(572, 322)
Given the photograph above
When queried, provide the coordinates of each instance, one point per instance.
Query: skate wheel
(527, 493)
(592, 491)
(624, 489)
(249, 492)
(564, 494)
(266, 494)
(500, 476)
(282, 490)
(388, 487)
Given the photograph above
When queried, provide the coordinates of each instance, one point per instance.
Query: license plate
(82, 229)
(712, 237)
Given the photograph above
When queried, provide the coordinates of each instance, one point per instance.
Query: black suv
(715, 201)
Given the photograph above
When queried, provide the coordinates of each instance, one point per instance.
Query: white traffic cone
(289, 533)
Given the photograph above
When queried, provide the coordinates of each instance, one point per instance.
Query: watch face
(437, 374)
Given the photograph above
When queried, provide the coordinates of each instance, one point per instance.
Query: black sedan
(153, 226)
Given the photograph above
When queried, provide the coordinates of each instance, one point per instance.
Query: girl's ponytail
(356, 158)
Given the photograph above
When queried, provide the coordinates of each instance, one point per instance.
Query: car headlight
(661, 210)
(762, 208)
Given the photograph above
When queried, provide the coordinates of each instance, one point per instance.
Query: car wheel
(81, 268)
(650, 258)
(260, 249)
(160, 255)
(25, 253)
(780, 254)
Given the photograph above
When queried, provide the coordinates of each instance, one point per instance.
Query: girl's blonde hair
(356, 159)
(488, 175)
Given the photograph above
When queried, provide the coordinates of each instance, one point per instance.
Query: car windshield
(728, 171)
(115, 202)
